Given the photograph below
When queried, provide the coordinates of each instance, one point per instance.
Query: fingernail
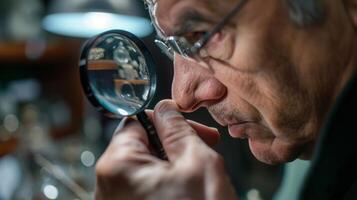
(213, 129)
(125, 121)
(149, 112)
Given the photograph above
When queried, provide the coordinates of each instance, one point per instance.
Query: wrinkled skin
(270, 79)
(267, 78)
(127, 170)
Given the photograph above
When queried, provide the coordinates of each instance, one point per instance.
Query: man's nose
(195, 86)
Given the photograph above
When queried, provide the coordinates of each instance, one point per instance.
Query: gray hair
(306, 12)
(302, 12)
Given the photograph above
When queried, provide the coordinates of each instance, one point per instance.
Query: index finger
(175, 132)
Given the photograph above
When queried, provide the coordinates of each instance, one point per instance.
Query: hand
(127, 170)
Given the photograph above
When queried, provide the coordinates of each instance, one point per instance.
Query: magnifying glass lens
(118, 74)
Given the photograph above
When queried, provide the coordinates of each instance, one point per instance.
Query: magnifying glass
(118, 77)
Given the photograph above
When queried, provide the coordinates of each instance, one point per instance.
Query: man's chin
(272, 152)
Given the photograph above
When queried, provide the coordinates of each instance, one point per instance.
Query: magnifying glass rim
(85, 79)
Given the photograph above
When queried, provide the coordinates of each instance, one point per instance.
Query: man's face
(268, 79)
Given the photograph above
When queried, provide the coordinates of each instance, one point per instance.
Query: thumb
(173, 129)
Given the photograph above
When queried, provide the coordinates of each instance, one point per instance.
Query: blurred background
(50, 136)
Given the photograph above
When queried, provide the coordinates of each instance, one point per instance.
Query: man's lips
(242, 130)
(250, 130)
(238, 126)
(238, 130)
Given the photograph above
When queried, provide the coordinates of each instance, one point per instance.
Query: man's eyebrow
(187, 20)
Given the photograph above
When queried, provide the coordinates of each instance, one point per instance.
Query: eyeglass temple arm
(206, 37)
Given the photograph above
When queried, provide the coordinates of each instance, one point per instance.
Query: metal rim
(84, 72)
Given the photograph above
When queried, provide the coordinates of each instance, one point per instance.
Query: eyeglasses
(178, 44)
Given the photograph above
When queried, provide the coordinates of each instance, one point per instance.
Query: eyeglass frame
(171, 44)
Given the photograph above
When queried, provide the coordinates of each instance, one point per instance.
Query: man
(271, 71)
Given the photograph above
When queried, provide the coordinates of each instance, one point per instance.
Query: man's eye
(193, 37)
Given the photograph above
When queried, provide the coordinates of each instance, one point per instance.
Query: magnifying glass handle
(152, 135)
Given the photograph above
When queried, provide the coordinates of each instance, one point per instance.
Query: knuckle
(176, 133)
(175, 119)
(198, 150)
(131, 146)
(103, 169)
(111, 167)
(125, 144)
(192, 173)
(211, 158)
(194, 164)
(109, 176)
(217, 161)
(196, 168)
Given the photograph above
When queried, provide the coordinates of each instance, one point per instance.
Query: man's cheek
(250, 55)
(221, 46)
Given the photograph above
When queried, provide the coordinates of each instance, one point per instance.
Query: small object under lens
(119, 78)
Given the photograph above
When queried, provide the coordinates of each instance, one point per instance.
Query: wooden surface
(133, 81)
(101, 65)
(48, 52)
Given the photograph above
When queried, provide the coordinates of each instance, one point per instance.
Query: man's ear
(351, 7)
